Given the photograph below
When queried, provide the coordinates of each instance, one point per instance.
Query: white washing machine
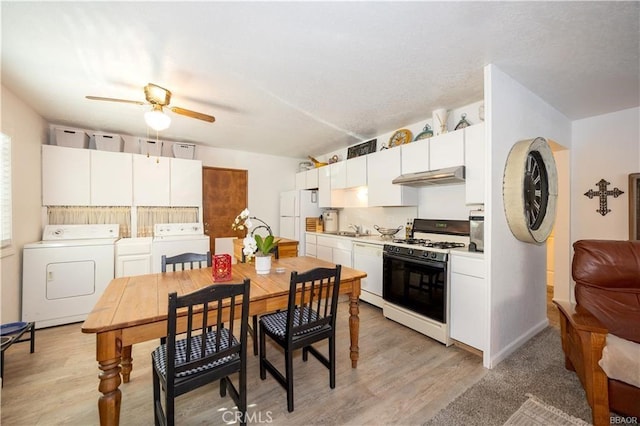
(64, 275)
(171, 239)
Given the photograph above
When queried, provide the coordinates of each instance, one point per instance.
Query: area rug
(536, 368)
(535, 412)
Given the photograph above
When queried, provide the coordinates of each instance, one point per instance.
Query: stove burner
(419, 241)
(443, 244)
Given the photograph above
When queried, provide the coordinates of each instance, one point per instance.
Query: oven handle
(419, 261)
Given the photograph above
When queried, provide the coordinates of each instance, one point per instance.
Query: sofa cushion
(607, 275)
(621, 360)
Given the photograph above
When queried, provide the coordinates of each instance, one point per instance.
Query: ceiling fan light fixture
(156, 119)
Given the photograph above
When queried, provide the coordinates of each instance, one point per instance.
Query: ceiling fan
(158, 97)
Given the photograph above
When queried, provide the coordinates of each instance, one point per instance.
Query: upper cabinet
(338, 173)
(185, 182)
(415, 156)
(151, 181)
(474, 153)
(446, 150)
(307, 179)
(324, 187)
(82, 177)
(163, 181)
(437, 152)
(111, 178)
(88, 177)
(66, 176)
(356, 171)
(382, 168)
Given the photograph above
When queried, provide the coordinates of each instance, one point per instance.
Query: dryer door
(70, 279)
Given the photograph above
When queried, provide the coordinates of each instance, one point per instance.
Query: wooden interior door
(224, 196)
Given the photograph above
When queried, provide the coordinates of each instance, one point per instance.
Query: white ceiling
(299, 78)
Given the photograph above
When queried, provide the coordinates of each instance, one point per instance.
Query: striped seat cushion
(160, 353)
(276, 323)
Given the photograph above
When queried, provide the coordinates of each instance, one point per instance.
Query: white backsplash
(384, 217)
(443, 202)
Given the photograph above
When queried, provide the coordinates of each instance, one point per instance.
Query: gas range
(422, 242)
(431, 239)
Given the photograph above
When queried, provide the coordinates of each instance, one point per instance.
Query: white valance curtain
(149, 216)
(79, 215)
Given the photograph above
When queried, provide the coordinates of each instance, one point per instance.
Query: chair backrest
(607, 275)
(208, 340)
(181, 261)
(313, 301)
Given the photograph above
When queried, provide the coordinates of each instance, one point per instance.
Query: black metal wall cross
(603, 193)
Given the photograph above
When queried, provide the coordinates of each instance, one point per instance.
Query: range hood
(432, 177)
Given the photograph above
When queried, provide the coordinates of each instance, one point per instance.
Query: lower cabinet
(468, 320)
(334, 249)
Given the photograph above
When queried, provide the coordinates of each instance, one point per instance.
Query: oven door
(416, 284)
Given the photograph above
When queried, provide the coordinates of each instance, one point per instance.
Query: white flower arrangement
(253, 245)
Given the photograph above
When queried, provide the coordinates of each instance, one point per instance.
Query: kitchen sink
(347, 234)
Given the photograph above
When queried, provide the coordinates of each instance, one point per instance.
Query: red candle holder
(221, 267)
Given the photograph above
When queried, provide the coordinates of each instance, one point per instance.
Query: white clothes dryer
(171, 239)
(64, 275)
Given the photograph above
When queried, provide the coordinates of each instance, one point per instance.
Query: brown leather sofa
(607, 291)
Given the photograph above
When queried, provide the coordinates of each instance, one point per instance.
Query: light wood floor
(402, 378)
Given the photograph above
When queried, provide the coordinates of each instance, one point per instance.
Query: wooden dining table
(134, 309)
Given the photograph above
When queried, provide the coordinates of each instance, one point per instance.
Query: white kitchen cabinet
(468, 300)
(111, 178)
(151, 181)
(338, 172)
(185, 182)
(446, 150)
(334, 249)
(307, 179)
(474, 160)
(66, 176)
(301, 180)
(324, 187)
(356, 171)
(415, 156)
(310, 245)
(382, 168)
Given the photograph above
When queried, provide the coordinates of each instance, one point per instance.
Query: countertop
(377, 239)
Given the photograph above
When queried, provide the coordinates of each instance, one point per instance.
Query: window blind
(5, 189)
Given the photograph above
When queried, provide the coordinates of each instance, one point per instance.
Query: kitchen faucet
(356, 228)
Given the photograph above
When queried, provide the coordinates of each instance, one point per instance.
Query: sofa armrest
(583, 339)
(580, 318)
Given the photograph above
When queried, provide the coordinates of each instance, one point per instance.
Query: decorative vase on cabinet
(263, 265)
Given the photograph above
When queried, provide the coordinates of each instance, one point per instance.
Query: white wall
(28, 131)
(604, 147)
(517, 270)
(268, 177)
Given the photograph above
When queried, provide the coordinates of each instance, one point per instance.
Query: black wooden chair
(193, 260)
(202, 356)
(310, 318)
(253, 328)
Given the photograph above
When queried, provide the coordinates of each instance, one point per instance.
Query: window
(5, 190)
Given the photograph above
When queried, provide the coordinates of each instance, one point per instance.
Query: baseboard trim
(521, 340)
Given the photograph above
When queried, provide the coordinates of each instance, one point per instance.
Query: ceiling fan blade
(99, 98)
(193, 114)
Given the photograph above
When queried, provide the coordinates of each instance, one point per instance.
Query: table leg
(127, 363)
(354, 327)
(109, 355)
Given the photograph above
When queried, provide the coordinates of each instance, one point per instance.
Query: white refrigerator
(295, 208)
